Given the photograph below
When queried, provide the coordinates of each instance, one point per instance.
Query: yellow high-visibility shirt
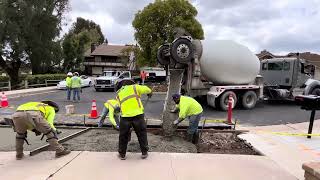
(110, 105)
(129, 99)
(47, 111)
(188, 107)
(68, 82)
(76, 82)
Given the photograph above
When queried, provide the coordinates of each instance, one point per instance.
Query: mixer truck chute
(215, 69)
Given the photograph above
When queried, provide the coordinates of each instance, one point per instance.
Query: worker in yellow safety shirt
(69, 85)
(191, 109)
(76, 86)
(112, 107)
(132, 115)
(37, 117)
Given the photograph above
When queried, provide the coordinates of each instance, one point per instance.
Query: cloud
(278, 26)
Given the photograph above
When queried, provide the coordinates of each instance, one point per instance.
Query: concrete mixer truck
(215, 70)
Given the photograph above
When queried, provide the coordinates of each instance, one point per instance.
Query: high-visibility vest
(68, 82)
(188, 107)
(76, 82)
(111, 105)
(47, 111)
(129, 99)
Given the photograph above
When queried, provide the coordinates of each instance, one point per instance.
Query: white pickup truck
(110, 78)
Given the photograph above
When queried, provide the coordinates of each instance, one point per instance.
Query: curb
(27, 92)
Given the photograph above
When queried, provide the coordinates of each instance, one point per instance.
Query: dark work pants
(139, 126)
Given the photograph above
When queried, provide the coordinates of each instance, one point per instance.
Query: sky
(279, 26)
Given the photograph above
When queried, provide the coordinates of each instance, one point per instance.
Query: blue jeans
(69, 93)
(105, 112)
(194, 123)
(76, 93)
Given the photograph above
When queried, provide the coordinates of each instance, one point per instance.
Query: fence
(6, 85)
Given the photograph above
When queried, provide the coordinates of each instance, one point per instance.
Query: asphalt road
(263, 114)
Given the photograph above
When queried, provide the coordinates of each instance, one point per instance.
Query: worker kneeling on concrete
(191, 109)
(132, 115)
(112, 107)
(37, 117)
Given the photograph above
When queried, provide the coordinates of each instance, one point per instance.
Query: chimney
(93, 47)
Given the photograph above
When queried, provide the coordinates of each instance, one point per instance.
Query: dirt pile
(224, 143)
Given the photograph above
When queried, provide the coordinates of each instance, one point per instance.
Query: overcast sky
(279, 26)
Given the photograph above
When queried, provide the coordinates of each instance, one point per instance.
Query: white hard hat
(69, 74)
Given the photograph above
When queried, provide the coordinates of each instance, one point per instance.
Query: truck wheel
(162, 53)
(316, 91)
(97, 89)
(224, 99)
(182, 51)
(249, 100)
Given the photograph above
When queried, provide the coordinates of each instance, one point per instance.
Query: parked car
(85, 82)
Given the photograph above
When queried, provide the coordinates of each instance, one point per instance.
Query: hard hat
(76, 73)
(124, 82)
(52, 104)
(69, 74)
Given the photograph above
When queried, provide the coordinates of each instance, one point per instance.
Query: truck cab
(285, 76)
(109, 79)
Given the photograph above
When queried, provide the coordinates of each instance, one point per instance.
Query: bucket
(69, 109)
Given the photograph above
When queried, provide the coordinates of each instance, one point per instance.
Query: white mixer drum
(225, 62)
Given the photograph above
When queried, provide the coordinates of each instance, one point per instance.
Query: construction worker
(112, 107)
(191, 109)
(132, 115)
(37, 117)
(143, 76)
(76, 86)
(69, 85)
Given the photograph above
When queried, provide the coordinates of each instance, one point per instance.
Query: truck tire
(316, 91)
(249, 100)
(182, 51)
(97, 89)
(224, 99)
(161, 55)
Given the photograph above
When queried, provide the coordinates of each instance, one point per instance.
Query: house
(310, 57)
(106, 57)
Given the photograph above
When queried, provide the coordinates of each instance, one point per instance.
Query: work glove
(176, 122)
(36, 132)
(81, 90)
(149, 95)
(117, 128)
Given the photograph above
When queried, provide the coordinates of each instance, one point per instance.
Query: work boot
(63, 153)
(19, 156)
(195, 138)
(144, 155)
(122, 156)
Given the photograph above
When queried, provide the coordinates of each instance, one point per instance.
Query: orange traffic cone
(4, 101)
(94, 111)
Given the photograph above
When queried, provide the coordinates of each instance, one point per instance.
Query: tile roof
(108, 50)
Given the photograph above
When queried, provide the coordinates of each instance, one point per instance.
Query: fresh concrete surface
(159, 166)
(290, 152)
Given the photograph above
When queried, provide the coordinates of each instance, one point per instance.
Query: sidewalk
(30, 91)
(158, 166)
(288, 151)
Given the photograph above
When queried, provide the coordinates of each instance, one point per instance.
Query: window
(277, 66)
(286, 66)
(264, 66)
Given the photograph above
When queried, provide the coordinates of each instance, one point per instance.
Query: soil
(215, 143)
(224, 143)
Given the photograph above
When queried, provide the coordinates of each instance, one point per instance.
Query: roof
(109, 50)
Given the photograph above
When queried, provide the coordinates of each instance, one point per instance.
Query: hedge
(40, 78)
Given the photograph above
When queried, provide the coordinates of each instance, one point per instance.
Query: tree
(155, 24)
(28, 33)
(79, 39)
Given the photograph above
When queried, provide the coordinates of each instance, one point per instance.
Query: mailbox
(309, 103)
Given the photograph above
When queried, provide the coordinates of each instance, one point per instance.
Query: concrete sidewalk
(288, 151)
(159, 166)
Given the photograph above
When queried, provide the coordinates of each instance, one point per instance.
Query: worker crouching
(111, 107)
(191, 109)
(37, 117)
(132, 115)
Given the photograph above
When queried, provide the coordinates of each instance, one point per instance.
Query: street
(263, 114)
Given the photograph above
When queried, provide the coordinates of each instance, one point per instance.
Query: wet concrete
(7, 139)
